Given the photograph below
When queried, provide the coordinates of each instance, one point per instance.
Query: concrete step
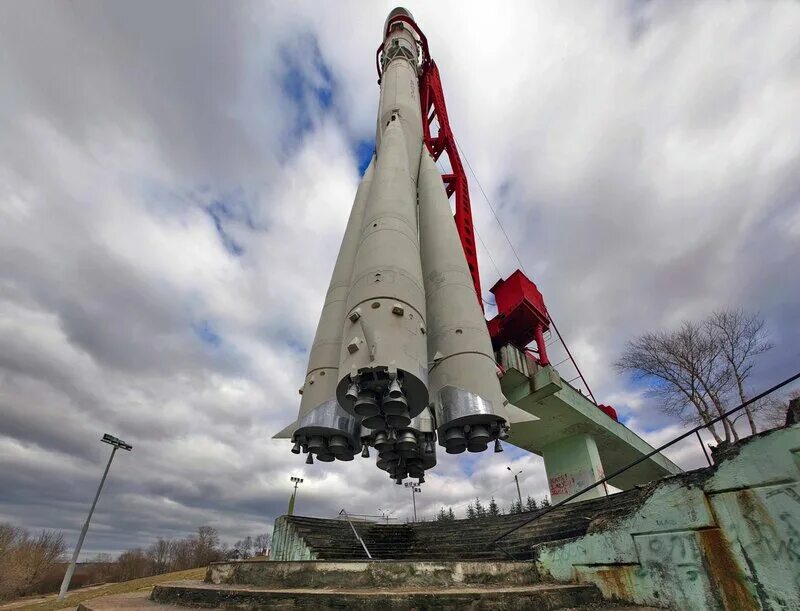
(369, 574)
(141, 601)
(460, 539)
(533, 596)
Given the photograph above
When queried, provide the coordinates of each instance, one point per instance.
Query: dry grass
(77, 597)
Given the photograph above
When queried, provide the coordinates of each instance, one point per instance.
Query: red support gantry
(522, 316)
(434, 108)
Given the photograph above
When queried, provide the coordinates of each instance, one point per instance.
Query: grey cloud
(640, 156)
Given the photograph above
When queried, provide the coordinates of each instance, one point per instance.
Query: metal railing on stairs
(355, 532)
(540, 514)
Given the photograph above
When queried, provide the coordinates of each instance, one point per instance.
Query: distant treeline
(477, 509)
(168, 555)
(36, 564)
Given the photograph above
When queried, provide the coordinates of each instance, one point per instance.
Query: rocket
(402, 356)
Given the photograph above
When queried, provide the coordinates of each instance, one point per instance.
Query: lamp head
(116, 442)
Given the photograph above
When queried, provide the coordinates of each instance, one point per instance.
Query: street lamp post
(297, 481)
(116, 444)
(516, 479)
(415, 489)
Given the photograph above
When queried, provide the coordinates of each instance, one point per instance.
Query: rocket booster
(402, 354)
(383, 368)
(323, 428)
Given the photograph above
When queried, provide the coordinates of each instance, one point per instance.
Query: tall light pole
(297, 481)
(415, 489)
(516, 479)
(116, 444)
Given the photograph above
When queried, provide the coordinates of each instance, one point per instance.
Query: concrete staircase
(374, 585)
(424, 565)
(454, 540)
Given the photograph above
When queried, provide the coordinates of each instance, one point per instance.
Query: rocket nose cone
(394, 13)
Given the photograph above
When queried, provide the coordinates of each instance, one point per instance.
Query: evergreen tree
(494, 510)
(530, 504)
(471, 513)
(480, 510)
(546, 501)
(515, 507)
(450, 514)
(441, 516)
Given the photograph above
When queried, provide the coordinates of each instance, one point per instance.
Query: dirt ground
(50, 602)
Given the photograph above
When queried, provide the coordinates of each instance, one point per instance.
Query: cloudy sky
(175, 179)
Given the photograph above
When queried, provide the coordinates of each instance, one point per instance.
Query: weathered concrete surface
(564, 413)
(572, 464)
(457, 540)
(370, 574)
(133, 601)
(540, 596)
(288, 544)
(726, 537)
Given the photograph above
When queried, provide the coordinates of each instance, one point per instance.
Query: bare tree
(182, 554)
(772, 409)
(684, 368)
(261, 544)
(741, 337)
(26, 560)
(206, 546)
(133, 564)
(159, 554)
(699, 366)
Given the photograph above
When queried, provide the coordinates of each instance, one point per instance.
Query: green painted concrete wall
(726, 537)
(287, 544)
(572, 464)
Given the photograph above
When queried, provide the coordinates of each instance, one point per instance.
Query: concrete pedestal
(572, 464)
(374, 585)
(567, 419)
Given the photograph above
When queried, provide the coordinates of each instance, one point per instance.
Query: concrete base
(540, 596)
(374, 585)
(563, 412)
(369, 574)
(572, 464)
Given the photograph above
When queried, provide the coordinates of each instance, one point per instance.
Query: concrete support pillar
(573, 463)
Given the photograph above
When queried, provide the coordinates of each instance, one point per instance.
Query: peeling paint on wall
(726, 537)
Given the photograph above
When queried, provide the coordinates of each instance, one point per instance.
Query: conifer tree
(494, 510)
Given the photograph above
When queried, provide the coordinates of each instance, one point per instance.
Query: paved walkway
(130, 601)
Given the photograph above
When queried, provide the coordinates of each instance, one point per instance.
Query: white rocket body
(383, 368)
(402, 352)
(464, 388)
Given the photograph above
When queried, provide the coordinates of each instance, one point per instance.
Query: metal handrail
(769, 391)
(360, 540)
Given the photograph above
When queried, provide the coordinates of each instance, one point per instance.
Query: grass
(77, 597)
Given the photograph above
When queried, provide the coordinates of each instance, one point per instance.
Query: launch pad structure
(403, 356)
